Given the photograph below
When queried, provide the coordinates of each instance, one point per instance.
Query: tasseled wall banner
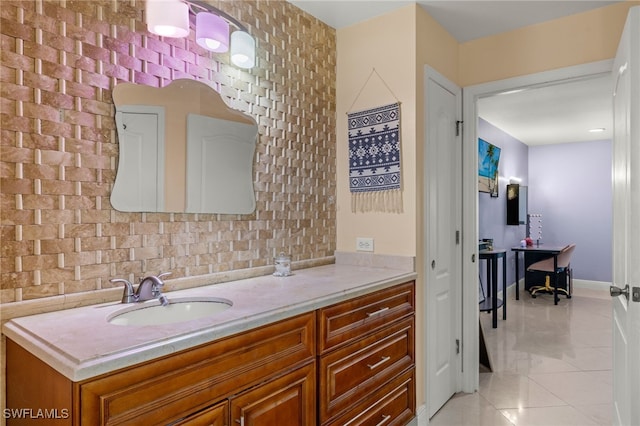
(374, 159)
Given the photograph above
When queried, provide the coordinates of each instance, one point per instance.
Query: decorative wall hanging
(374, 158)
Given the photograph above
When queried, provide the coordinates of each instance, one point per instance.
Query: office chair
(546, 265)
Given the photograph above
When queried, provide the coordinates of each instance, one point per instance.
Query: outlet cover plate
(364, 244)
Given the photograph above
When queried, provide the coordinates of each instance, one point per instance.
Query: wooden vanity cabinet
(359, 369)
(186, 387)
(366, 359)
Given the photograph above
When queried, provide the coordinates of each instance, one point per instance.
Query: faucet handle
(157, 283)
(128, 295)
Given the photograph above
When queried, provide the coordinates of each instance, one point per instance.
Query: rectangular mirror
(516, 204)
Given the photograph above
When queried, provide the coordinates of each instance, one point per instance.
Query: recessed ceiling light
(598, 130)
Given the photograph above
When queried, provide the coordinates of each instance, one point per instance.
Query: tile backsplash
(60, 62)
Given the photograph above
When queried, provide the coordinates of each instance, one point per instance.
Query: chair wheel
(534, 296)
(568, 296)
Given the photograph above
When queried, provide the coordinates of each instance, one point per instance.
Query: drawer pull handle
(379, 363)
(384, 419)
(378, 312)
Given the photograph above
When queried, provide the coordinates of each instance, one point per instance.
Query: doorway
(472, 94)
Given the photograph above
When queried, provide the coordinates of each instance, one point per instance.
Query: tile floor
(551, 366)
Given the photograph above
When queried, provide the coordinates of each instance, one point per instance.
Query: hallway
(552, 366)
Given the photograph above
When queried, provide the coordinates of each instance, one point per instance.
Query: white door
(138, 186)
(442, 240)
(626, 224)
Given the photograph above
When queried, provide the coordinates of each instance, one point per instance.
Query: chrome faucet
(149, 288)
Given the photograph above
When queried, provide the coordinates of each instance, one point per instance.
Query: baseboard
(511, 290)
(582, 287)
(421, 415)
(592, 285)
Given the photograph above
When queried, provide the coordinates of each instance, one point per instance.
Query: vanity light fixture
(243, 49)
(597, 130)
(171, 18)
(212, 32)
(168, 18)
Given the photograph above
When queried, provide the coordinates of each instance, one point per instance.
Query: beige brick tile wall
(59, 62)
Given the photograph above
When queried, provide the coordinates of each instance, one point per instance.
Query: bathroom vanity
(330, 345)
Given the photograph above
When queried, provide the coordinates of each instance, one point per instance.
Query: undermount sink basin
(178, 310)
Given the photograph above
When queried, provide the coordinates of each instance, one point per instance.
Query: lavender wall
(492, 212)
(570, 184)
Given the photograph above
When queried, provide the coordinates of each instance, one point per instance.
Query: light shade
(212, 32)
(243, 49)
(168, 18)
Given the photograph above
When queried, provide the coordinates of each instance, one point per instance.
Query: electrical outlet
(364, 244)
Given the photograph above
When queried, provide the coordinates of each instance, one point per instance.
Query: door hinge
(457, 346)
(459, 127)
(457, 237)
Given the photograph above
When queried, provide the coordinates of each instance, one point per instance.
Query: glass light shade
(168, 18)
(243, 49)
(212, 32)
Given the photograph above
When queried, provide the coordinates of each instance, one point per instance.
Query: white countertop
(80, 343)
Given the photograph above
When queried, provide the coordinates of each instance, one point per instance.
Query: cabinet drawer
(394, 404)
(351, 373)
(345, 322)
(167, 389)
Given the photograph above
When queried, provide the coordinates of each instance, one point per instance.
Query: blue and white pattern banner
(374, 159)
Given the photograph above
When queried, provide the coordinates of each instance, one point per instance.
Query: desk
(540, 250)
(492, 303)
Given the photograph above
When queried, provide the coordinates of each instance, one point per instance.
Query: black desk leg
(517, 277)
(494, 289)
(504, 287)
(555, 280)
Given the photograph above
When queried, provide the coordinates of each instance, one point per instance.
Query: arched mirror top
(180, 97)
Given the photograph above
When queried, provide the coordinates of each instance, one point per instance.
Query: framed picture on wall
(488, 161)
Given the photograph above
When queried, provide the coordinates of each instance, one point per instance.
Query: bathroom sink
(178, 310)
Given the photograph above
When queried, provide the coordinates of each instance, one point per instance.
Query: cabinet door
(217, 415)
(285, 401)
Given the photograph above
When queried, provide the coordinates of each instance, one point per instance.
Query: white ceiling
(558, 113)
(561, 113)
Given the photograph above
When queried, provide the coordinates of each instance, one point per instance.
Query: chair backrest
(564, 257)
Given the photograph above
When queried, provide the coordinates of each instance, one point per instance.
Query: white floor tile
(548, 416)
(515, 391)
(551, 366)
(576, 387)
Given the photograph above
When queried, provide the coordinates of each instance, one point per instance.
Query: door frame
(470, 95)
